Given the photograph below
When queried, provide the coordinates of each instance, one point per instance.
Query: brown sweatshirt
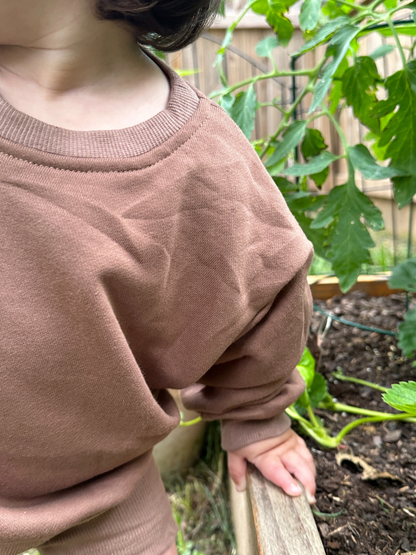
(157, 256)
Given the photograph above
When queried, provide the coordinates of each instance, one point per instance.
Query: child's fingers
(307, 457)
(273, 469)
(303, 471)
(237, 468)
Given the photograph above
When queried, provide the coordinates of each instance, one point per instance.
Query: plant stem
(340, 407)
(360, 421)
(183, 424)
(396, 38)
(308, 88)
(374, 5)
(352, 6)
(342, 377)
(285, 120)
(312, 417)
(261, 77)
(272, 105)
(296, 416)
(325, 440)
(316, 116)
(337, 127)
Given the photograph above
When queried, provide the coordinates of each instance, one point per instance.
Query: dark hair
(166, 25)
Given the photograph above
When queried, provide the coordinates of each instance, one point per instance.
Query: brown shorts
(118, 531)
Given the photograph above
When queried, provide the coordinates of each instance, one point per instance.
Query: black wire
(353, 324)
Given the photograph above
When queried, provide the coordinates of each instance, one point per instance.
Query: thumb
(237, 468)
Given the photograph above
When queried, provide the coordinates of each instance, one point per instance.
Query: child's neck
(83, 80)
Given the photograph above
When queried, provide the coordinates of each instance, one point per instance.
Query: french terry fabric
(135, 260)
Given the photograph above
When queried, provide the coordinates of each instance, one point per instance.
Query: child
(143, 247)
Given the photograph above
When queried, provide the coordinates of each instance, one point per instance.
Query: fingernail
(295, 489)
(310, 498)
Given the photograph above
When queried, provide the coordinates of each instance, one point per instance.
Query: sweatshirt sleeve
(255, 379)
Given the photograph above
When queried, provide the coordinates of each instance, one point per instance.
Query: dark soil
(379, 516)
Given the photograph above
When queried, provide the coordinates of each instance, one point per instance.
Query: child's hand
(277, 459)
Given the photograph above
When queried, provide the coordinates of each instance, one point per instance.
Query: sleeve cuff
(237, 434)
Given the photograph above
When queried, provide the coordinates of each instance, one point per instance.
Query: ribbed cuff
(236, 434)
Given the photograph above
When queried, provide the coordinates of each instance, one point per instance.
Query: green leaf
(291, 138)
(411, 74)
(282, 26)
(266, 46)
(309, 14)
(349, 247)
(261, 7)
(315, 165)
(402, 396)
(407, 333)
(316, 236)
(358, 87)
(318, 390)
(337, 48)
(404, 276)
(335, 96)
(382, 51)
(313, 143)
(227, 102)
(348, 195)
(349, 238)
(285, 185)
(324, 33)
(363, 161)
(332, 9)
(306, 367)
(303, 201)
(320, 177)
(243, 110)
(399, 135)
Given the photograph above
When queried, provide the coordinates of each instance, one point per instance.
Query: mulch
(378, 515)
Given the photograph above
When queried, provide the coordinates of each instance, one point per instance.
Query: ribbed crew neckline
(27, 131)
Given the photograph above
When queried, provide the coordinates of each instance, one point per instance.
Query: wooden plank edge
(324, 287)
(284, 525)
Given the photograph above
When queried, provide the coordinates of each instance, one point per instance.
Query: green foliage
(382, 51)
(342, 213)
(291, 138)
(404, 277)
(399, 135)
(363, 161)
(402, 396)
(315, 165)
(243, 110)
(339, 223)
(266, 46)
(309, 14)
(313, 143)
(337, 48)
(323, 34)
(407, 335)
(358, 88)
(274, 11)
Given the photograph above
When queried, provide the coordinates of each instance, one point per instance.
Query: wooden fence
(242, 62)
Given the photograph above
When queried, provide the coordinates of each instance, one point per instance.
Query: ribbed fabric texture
(132, 261)
(131, 141)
